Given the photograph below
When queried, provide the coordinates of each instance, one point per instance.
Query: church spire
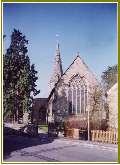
(57, 72)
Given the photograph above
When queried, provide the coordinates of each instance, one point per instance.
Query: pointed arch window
(77, 95)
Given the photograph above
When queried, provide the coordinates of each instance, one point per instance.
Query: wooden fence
(105, 136)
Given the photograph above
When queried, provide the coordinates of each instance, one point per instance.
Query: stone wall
(58, 99)
(79, 67)
(112, 100)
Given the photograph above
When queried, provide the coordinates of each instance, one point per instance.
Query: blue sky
(90, 28)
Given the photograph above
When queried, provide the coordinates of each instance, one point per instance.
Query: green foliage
(96, 99)
(109, 76)
(43, 127)
(4, 36)
(19, 77)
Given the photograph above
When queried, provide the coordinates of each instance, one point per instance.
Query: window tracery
(77, 95)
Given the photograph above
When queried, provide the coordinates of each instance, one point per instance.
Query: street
(44, 149)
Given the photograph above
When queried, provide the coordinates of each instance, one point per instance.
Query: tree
(97, 111)
(19, 78)
(4, 36)
(109, 77)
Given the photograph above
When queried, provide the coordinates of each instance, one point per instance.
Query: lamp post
(88, 115)
(88, 123)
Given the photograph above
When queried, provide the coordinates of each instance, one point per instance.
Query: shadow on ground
(13, 140)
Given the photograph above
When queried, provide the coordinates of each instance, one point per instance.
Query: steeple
(57, 72)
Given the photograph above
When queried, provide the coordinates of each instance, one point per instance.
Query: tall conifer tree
(19, 78)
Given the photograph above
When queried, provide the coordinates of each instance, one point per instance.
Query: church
(70, 92)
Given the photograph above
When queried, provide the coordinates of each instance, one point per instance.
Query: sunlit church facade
(70, 91)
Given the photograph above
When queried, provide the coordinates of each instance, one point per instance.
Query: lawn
(43, 127)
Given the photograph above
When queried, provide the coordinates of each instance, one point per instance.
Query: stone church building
(71, 91)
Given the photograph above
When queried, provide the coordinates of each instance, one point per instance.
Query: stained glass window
(70, 101)
(77, 96)
(74, 101)
(82, 99)
(78, 100)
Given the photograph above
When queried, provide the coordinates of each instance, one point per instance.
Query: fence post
(92, 132)
(100, 136)
(116, 136)
(110, 136)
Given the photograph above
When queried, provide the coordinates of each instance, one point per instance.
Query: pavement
(45, 149)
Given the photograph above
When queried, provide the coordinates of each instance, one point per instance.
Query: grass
(43, 127)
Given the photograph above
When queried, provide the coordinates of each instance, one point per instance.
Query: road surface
(43, 149)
